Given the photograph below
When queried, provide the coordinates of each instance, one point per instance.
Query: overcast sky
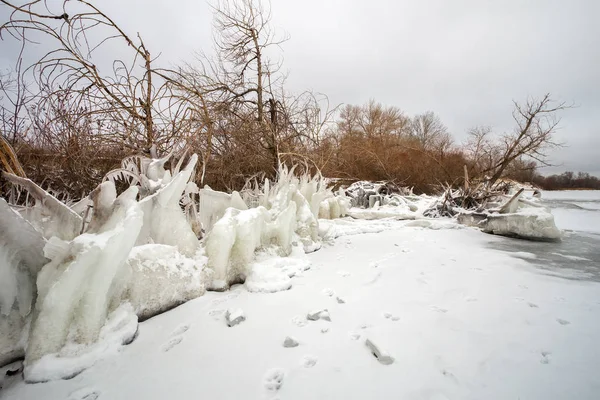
(466, 60)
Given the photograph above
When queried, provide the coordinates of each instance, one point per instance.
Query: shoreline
(462, 320)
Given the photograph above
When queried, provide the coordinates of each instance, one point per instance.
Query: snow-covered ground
(460, 319)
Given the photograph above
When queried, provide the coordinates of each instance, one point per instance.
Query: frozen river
(577, 213)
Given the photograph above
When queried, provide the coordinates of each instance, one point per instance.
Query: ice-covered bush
(21, 258)
(74, 288)
(285, 215)
(138, 257)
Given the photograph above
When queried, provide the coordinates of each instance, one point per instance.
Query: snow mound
(331, 229)
(271, 273)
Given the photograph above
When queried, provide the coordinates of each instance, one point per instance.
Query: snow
(235, 316)
(380, 354)
(575, 195)
(466, 322)
(290, 342)
(271, 273)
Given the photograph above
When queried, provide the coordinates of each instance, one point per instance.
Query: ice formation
(120, 329)
(284, 215)
(518, 217)
(49, 216)
(74, 288)
(527, 223)
(157, 277)
(135, 259)
(213, 204)
(164, 222)
(233, 241)
(21, 258)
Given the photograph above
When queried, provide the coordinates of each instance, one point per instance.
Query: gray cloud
(466, 60)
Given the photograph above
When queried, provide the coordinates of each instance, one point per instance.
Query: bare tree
(132, 95)
(430, 131)
(242, 73)
(536, 123)
(13, 92)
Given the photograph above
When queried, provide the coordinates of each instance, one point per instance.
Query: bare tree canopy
(536, 122)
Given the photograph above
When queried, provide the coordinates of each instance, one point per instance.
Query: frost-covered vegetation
(71, 272)
(165, 183)
(74, 115)
(142, 252)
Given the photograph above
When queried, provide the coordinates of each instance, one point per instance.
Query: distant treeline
(568, 180)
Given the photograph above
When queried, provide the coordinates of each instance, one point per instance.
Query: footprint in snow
(172, 343)
(449, 375)
(84, 394)
(470, 299)
(328, 292)
(344, 274)
(274, 379)
(354, 335)
(299, 321)
(545, 357)
(533, 305)
(439, 309)
(218, 300)
(562, 321)
(374, 279)
(216, 314)
(390, 316)
(309, 361)
(180, 330)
